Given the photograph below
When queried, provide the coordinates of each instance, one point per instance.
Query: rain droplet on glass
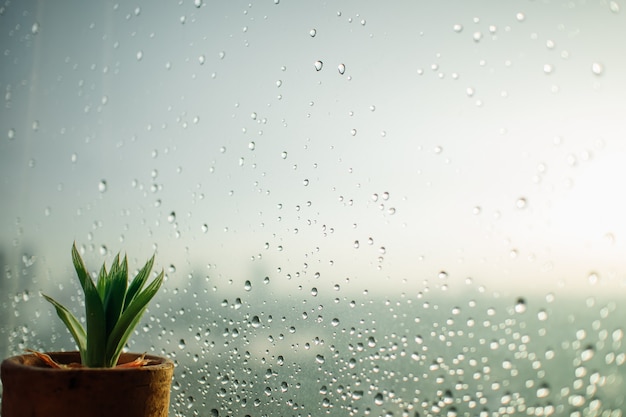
(614, 6)
(597, 68)
(318, 65)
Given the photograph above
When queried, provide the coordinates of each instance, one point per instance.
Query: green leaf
(129, 319)
(73, 325)
(102, 281)
(81, 270)
(115, 293)
(94, 310)
(138, 282)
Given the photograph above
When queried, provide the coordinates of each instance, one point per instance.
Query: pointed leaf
(96, 324)
(79, 266)
(101, 284)
(73, 325)
(129, 319)
(96, 327)
(138, 282)
(115, 293)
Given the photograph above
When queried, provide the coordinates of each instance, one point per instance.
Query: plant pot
(32, 389)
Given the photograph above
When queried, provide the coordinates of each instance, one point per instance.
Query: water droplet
(139, 55)
(181, 344)
(542, 315)
(587, 354)
(197, 3)
(597, 68)
(520, 17)
(521, 203)
(548, 69)
(312, 33)
(357, 395)
(247, 285)
(458, 28)
(477, 36)
(102, 186)
(201, 59)
(371, 342)
(520, 305)
(11, 134)
(593, 278)
(320, 359)
(283, 154)
(251, 146)
(318, 65)
(341, 68)
(378, 399)
(171, 218)
(614, 6)
(35, 28)
(543, 391)
(577, 400)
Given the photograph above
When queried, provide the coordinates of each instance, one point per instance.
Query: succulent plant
(113, 308)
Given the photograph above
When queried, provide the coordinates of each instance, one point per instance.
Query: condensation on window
(361, 208)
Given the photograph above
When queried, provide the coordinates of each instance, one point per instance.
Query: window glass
(362, 208)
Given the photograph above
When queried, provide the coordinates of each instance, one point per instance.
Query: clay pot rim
(28, 362)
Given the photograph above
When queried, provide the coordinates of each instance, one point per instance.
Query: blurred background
(406, 208)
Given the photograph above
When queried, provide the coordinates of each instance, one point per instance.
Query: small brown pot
(34, 390)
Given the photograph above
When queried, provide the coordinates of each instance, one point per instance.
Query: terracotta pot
(33, 390)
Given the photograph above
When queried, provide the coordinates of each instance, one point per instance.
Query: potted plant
(99, 379)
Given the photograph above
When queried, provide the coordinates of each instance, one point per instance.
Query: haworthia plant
(113, 308)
